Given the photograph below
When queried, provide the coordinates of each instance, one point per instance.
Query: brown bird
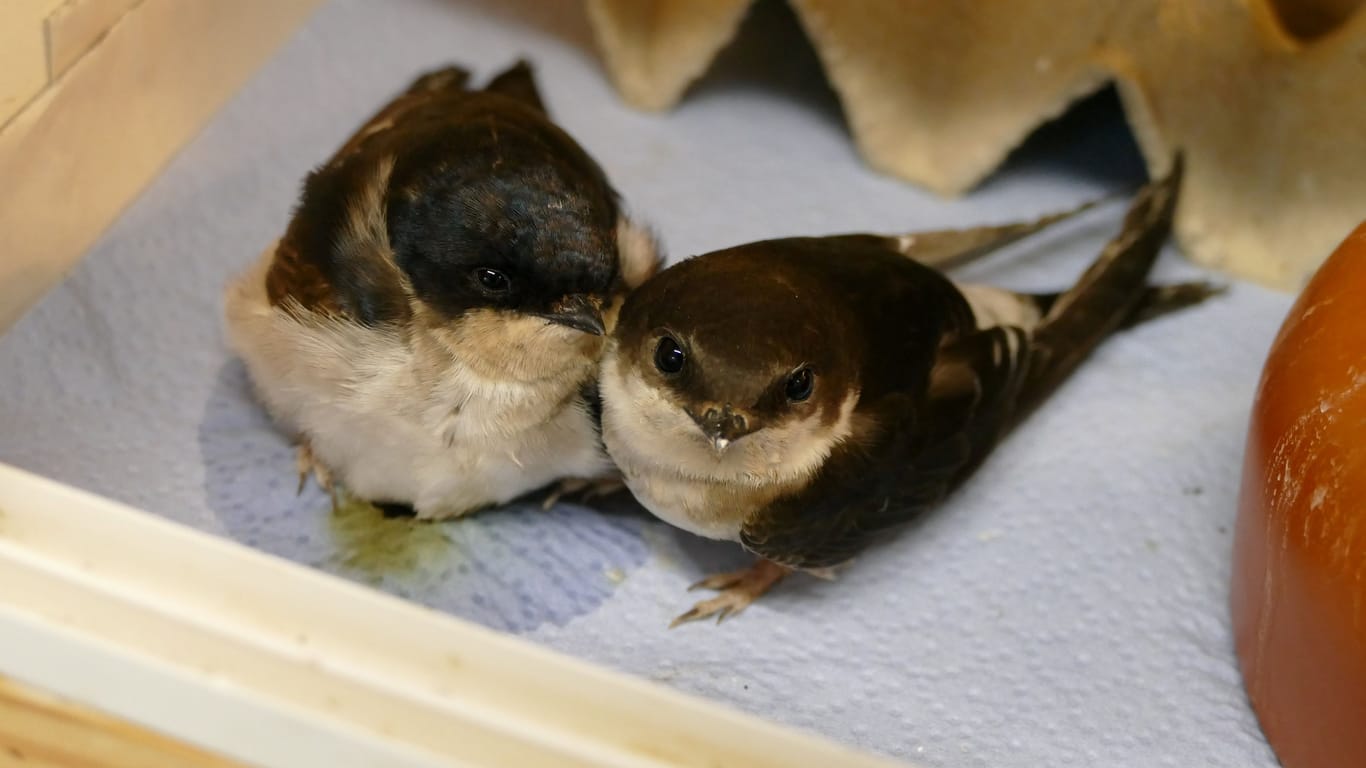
(801, 396)
(430, 324)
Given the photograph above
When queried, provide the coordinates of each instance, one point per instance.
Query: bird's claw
(737, 590)
(719, 581)
(725, 605)
(308, 464)
(583, 489)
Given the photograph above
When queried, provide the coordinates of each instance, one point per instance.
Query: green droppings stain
(375, 546)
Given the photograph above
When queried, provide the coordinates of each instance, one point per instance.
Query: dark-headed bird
(430, 325)
(803, 396)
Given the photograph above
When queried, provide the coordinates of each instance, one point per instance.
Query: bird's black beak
(723, 425)
(580, 312)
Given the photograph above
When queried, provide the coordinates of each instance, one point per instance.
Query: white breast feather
(392, 425)
(673, 471)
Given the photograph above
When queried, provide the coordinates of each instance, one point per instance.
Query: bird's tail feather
(451, 78)
(1111, 293)
(1157, 300)
(947, 248)
(518, 82)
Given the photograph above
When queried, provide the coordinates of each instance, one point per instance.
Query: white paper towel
(1067, 608)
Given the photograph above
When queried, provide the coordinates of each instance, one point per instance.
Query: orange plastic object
(1299, 568)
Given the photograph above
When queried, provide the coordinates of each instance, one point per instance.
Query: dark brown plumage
(870, 385)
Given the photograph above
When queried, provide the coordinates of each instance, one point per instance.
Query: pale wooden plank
(23, 53)
(83, 150)
(75, 28)
(38, 730)
(277, 664)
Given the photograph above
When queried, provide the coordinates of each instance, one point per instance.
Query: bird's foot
(583, 489)
(308, 464)
(738, 589)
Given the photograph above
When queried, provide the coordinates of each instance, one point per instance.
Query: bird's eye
(669, 357)
(492, 280)
(799, 384)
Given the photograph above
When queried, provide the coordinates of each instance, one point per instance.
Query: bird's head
(508, 235)
(731, 367)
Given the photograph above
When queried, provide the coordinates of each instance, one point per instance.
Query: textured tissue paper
(1066, 608)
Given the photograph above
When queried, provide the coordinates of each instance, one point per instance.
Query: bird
(428, 327)
(805, 396)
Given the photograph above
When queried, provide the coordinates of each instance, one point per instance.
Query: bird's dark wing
(518, 82)
(982, 382)
(429, 89)
(295, 281)
(827, 522)
(919, 451)
(434, 94)
(1112, 292)
(331, 260)
(339, 207)
(947, 248)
